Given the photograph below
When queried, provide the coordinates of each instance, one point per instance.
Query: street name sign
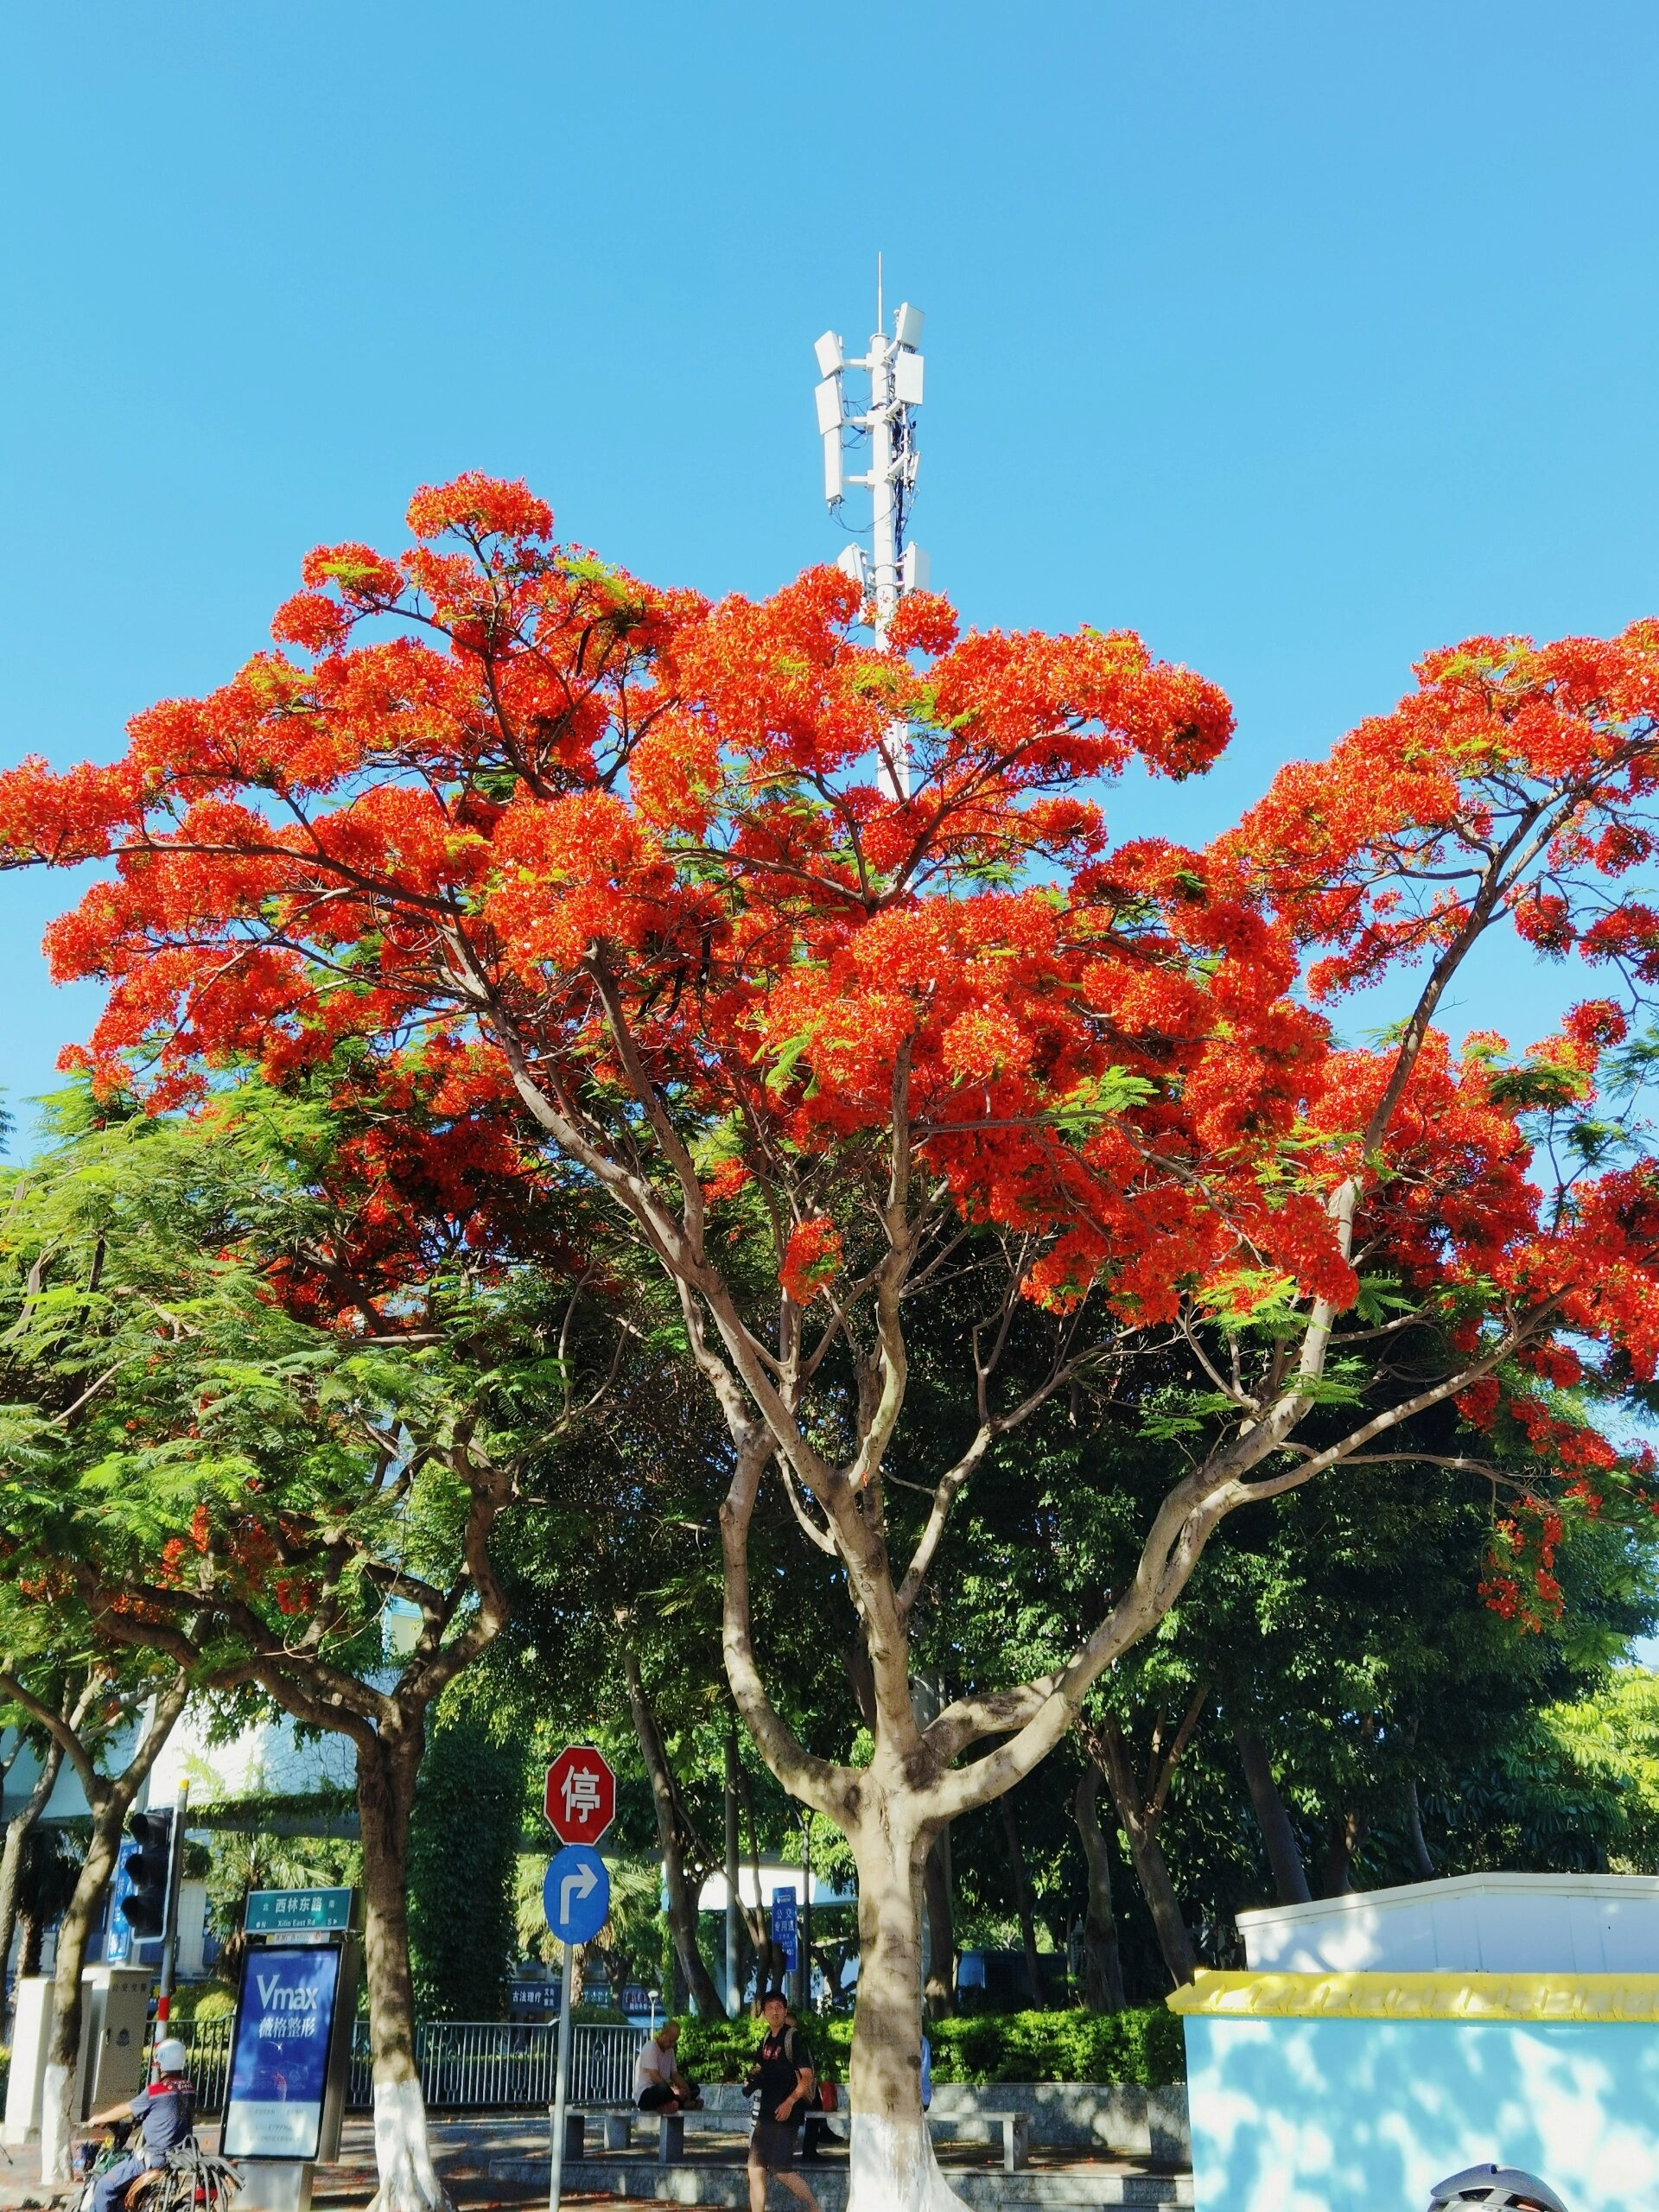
(290, 1912)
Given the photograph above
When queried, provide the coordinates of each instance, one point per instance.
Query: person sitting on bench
(659, 2084)
(165, 2111)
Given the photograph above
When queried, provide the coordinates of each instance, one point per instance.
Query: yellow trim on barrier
(1628, 1997)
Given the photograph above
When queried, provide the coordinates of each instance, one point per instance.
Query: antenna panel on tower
(907, 325)
(907, 379)
(834, 489)
(826, 397)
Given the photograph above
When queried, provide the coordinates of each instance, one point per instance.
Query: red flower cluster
(812, 1260)
(553, 860)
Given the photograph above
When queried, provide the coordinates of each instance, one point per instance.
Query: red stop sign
(580, 1801)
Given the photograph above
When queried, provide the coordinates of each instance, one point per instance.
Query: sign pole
(561, 2085)
(580, 1801)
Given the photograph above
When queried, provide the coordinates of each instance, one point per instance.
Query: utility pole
(892, 565)
(806, 1909)
(734, 1985)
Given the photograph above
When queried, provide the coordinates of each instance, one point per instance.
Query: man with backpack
(781, 2082)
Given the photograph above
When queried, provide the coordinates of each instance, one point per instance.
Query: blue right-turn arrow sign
(576, 1893)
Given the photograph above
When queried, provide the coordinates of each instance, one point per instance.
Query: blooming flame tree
(498, 820)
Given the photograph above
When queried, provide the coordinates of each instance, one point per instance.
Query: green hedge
(202, 2001)
(1143, 2045)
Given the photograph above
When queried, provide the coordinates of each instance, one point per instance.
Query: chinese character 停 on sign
(581, 1794)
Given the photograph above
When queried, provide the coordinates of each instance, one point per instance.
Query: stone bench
(1015, 2127)
(617, 2120)
(620, 2120)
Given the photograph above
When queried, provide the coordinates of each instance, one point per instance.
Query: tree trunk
(1152, 1871)
(1284, 1853)
(1426, 1870)
(890, 2166)
(682, 1898)
(939, 1995)
(386, 1774)
(19, 1828)
(1023, 1900)
(110, 1801)
(32, 1949)
(755, 1921)
(58, 2116)
(1346, 1834)
(1102, 1965)
(939, 1922)
(1140, 1826)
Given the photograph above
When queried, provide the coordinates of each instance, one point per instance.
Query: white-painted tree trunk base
(403, 2152)
(57, 2090)
(892, 2168)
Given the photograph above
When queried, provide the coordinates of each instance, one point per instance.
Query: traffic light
(145, 1906)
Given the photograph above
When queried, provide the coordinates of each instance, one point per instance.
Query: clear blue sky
(1300, 338)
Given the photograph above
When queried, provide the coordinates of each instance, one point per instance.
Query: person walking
(781, 2080)
(659, 2084)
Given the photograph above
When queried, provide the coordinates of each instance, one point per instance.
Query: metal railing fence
(465, 2065)
(208, 2043)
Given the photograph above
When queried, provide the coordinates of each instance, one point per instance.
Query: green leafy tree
(1332, 1692)
(1609, 1741)
(463, 1858)
(253, 1416)
(110, 1743)
(75, 1696)
(616, 1599)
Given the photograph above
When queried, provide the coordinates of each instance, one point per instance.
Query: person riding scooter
(165, 2113)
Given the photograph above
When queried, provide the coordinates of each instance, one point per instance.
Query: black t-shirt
(777, 2063)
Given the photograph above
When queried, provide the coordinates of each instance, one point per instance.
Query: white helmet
(171, 2056)
(1495, 2188)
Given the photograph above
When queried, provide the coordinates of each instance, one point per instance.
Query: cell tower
(892, 567)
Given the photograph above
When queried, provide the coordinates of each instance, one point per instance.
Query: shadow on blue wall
(1335, 2115)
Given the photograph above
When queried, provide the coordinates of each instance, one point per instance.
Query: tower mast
(892, 566)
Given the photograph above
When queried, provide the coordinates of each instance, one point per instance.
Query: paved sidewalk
(463, 2149)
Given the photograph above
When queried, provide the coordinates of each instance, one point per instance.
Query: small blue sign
(118, 1939)
(783, 1926)
(576, 1894)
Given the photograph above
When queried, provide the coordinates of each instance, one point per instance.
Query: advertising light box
(279, 2064)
